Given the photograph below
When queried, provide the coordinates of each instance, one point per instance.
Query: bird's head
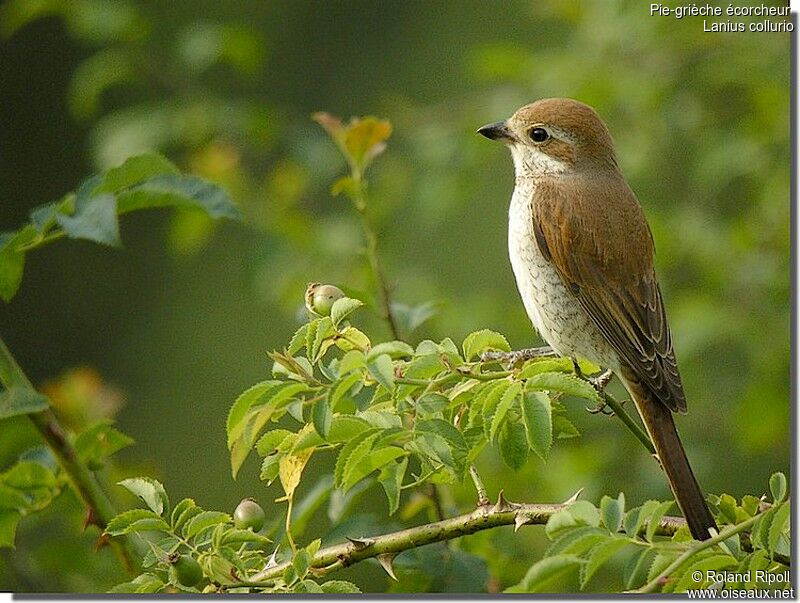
(554, 135)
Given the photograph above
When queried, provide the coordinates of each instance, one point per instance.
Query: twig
(700, 546)
(485, 517)
(480, 488)
(100, 508)
(628, 421)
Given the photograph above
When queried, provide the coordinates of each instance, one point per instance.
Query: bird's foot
(517, 356)
(599, 383)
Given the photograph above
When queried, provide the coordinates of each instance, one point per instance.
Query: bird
(582, 255)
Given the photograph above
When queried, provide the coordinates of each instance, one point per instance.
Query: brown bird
(582, 255)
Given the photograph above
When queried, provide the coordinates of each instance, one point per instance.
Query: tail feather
(660, 426)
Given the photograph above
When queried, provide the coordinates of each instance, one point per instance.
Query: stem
(99, 506)
(360, 204)
(628, 421)
(480, 488)
(700, 546)
(483, 518)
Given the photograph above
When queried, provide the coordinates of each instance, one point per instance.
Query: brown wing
(609, 269)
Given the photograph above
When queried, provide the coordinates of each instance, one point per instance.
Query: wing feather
(609, 269)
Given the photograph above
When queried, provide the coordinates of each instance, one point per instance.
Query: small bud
(249, 514)
(320, 298)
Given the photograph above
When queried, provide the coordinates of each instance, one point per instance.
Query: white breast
(553, 310)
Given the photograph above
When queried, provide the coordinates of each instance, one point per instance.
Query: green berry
(249, 514)
(320, 298)
(185, 570)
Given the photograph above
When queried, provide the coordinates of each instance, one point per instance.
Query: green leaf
(654, 521)
(636, 570)
(12, 259)
(612, 511)
(359, 468)
(136, 520)
(391, 479)
(298, 340)
(134, 170)
(100, 441)
(271, 441)
(506, 401)
(182, 512)
(489, 398)
(301, 562)
(713, 563)
(238, 413)
(203, 521)
(482, 341)
(382, 369)
(395, 350)
(20, 399)
(513, 445)
(777, 486)
(585, 512)
(576, 541)
(8, 527)
(342, 308)
(357, 445)
(456, 445)
(542, 573)
(599, 555)
(431, 404)
(339, 587)
(635, 518)
(565, 384)
(150, 491)
(94, 219)
(779, 526)
(143, 584)
(322, 416)
(537, 419)
(28, 475)
(175, 190)
(346, 427)
(318, 337)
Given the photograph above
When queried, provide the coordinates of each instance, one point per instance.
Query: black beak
(496, 131)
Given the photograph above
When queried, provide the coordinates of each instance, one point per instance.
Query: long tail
(658, 420)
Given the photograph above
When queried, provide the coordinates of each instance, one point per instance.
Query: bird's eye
(539, 135)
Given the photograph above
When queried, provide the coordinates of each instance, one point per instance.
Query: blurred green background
(176, 324)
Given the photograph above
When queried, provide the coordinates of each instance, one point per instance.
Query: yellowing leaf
(290, 468)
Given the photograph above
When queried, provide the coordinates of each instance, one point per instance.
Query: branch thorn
(520, 519)
(386, 560)
(574, 497)
(361, 543)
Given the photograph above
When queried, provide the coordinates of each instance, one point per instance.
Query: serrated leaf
(654, 521)
(777, 486)
(177, 517)
(322, 416)
(343, 308)
(482, 341)
(346, 427)
(12, 259)
(204, 520)
(454, 440)
(504, 404)
(431, 404)
(339, 587)
(779, 525)
(538, 422)
(563, 383)
(382, 369)
(20, 400)
(394, 349)
(142, 584)
(599, 555)
(612, 511)
(359, 468)
(576, 541)
(636, 569)
(513, 445)
(298, 340)
(150, 491)
(271, 440)
(321, 337)
(136, 520)
(635, 518)
(238, 413)
(560, 520)
(713, 563)
(585, 512)
(543, 572)
(290, 469)
(391, 479)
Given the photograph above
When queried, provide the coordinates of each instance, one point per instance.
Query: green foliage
(92, 212)
(585, 539)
